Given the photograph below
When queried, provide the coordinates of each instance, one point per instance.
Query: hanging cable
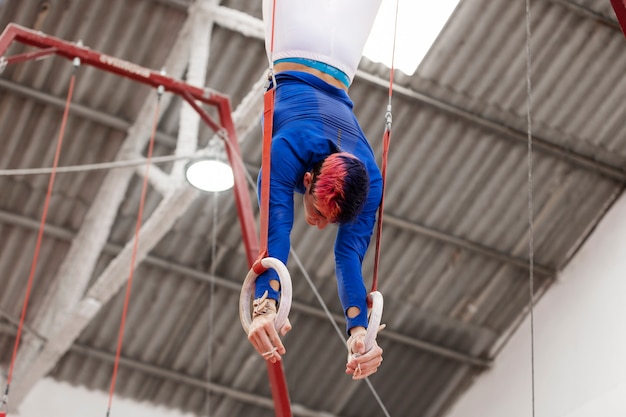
(268, 128)
(264, 262)
(33, 267)
(268, 124)
(276, 374)
(531, 249)
(98, 166)
(375, 298)
(386, 140)
(317, 294)
(211, 297)
(134, 251)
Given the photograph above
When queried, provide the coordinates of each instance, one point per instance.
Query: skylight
(419, 24)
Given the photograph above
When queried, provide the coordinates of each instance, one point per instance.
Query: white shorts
(332, 32)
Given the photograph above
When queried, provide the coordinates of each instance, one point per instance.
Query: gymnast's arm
(350, 247)
(285, 171)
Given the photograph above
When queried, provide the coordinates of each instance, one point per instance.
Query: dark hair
(340, 186)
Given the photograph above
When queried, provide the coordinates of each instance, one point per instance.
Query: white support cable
(211, 297)
(245, 114)
(129, 163)
(531, 249)
(296, 258)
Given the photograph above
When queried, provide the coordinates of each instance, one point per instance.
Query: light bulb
(210, 175)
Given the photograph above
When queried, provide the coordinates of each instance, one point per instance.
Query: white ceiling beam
(201, 30)
(236, 21)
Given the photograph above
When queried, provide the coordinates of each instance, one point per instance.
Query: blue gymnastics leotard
(313, 119)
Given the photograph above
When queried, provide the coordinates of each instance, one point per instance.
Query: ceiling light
(211, 173)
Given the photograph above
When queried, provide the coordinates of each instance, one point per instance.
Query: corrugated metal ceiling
(455, 247)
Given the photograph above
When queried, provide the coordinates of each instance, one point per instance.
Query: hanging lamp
(211, 173)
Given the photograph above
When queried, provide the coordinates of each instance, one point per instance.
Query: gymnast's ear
(307, 180)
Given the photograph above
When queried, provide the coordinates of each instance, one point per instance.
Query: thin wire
(272, 76)
(531, 249)
(393, 51)
(211, 291)
(266, 154)
(385, 155)
(272, 36)
(42, 224)
(134, 252)
(97, 166)
(296, 258)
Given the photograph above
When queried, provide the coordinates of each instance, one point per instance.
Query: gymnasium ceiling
(455, 249)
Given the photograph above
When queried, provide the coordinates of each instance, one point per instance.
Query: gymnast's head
(335, 190)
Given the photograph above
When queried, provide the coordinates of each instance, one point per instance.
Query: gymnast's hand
(362, 364)
(263, 334)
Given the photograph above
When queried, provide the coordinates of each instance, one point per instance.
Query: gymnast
(320, 151)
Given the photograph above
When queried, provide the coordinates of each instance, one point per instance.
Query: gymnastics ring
(375, 316)
(247, 290)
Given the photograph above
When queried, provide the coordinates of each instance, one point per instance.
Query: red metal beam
(620, 11)
(49, 45)
(278, 382)
(42, 53)
(242, 197)
(105, 62)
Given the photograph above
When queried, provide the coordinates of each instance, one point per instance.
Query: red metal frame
(620, 11)
(51, 45)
